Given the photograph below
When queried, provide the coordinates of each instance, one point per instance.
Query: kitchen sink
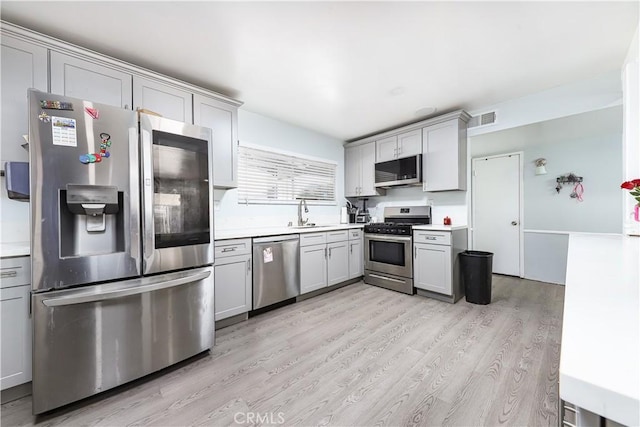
(302, 227)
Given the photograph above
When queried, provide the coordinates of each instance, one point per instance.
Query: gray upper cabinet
(359, 171)
(444, 149)
(397, 146)
(386, 148)
(24, 66)
(161, 98)
(88, 80)
(222, 118)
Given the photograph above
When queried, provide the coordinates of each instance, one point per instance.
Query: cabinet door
(352, 174)
(441, 163)
(24, 66)
(432, 268)
(356, 260)
(410, 143)
(338, 262)
(232, 282)
(89, 81)
(163, 99)
(222, 118)
(367, 170)
(313, 268)
(15, 367)
(386, 149)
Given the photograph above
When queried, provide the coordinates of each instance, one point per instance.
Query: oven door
(388, 254)
(177, 194)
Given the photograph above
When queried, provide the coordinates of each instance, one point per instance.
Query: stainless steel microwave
(405, 171)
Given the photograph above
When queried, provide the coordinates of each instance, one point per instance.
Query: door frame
(520, 201)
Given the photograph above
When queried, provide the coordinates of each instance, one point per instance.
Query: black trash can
(476, 276)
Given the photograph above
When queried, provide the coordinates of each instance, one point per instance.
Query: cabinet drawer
(308, 239)
(227, 248)
(434, 237)
(337, 236)
(15, 271)
(355, 234)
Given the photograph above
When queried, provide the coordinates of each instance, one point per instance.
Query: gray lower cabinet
(337, 262)
(432, 268)
(222, 118)
(164, 99)
(24, 66)
(232, 277)
(436, 265)
(356, 254)
(15, 365)
(324, 259)
(313, 267)
(89, 80)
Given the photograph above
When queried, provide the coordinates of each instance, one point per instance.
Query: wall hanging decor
(571, 178)
(540, 166)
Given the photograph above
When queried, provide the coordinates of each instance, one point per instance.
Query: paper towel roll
(344, 216)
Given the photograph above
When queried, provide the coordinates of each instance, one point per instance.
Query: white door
(495, 193)
(356, 261)
(232, 284)
(432, 268)
(352, 174)
(387, 149)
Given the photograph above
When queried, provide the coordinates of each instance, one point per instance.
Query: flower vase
(636, 213)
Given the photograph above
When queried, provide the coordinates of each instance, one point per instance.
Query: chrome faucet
(302, 221)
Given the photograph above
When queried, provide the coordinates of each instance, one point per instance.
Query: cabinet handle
(429, 238)
(351, 248)
(7, 274)
(329, 252)
(399, 149)
(228, 249)
(325, 253)
(248, 265)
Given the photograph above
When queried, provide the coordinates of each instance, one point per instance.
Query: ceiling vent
(482, 120)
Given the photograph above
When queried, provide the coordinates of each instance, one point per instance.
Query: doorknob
(514, 222)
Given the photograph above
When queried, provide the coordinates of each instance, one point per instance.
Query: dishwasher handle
(276, 239)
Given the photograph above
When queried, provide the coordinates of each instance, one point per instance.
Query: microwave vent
(482, 120)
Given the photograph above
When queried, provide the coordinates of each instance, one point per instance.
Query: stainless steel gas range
(388, 248)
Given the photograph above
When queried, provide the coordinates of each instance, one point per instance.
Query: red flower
(629, 185)
(636, 182)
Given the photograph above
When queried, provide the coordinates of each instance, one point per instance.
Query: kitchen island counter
(600, 356)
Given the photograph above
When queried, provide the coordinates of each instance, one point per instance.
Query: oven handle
(392, 238)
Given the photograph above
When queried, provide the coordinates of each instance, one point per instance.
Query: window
(267, 176)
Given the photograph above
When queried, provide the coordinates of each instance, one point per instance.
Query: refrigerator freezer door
(91, 339)
(85, 197)
(177, 191)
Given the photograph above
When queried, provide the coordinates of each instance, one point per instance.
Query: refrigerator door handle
(148, 238)
(133, 290)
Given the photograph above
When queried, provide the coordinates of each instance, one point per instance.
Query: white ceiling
(348, 69)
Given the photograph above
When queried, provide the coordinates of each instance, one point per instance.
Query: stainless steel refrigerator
(121, 246)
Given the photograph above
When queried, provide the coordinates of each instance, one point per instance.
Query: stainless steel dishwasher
(276, 272)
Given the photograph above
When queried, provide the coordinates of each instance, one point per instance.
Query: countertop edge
(275, 231)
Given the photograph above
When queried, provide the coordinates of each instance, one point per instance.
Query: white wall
(589, 145)
(257, 129)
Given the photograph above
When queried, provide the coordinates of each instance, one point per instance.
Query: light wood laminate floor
(360, 355)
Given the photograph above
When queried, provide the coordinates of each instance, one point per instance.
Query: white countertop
(274, 231)
(438, 227)
(600, 355)
(14, 249)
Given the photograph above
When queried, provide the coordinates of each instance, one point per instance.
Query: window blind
(265, 176)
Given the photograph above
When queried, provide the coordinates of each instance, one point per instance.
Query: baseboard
(327, 289)
(15, 393)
